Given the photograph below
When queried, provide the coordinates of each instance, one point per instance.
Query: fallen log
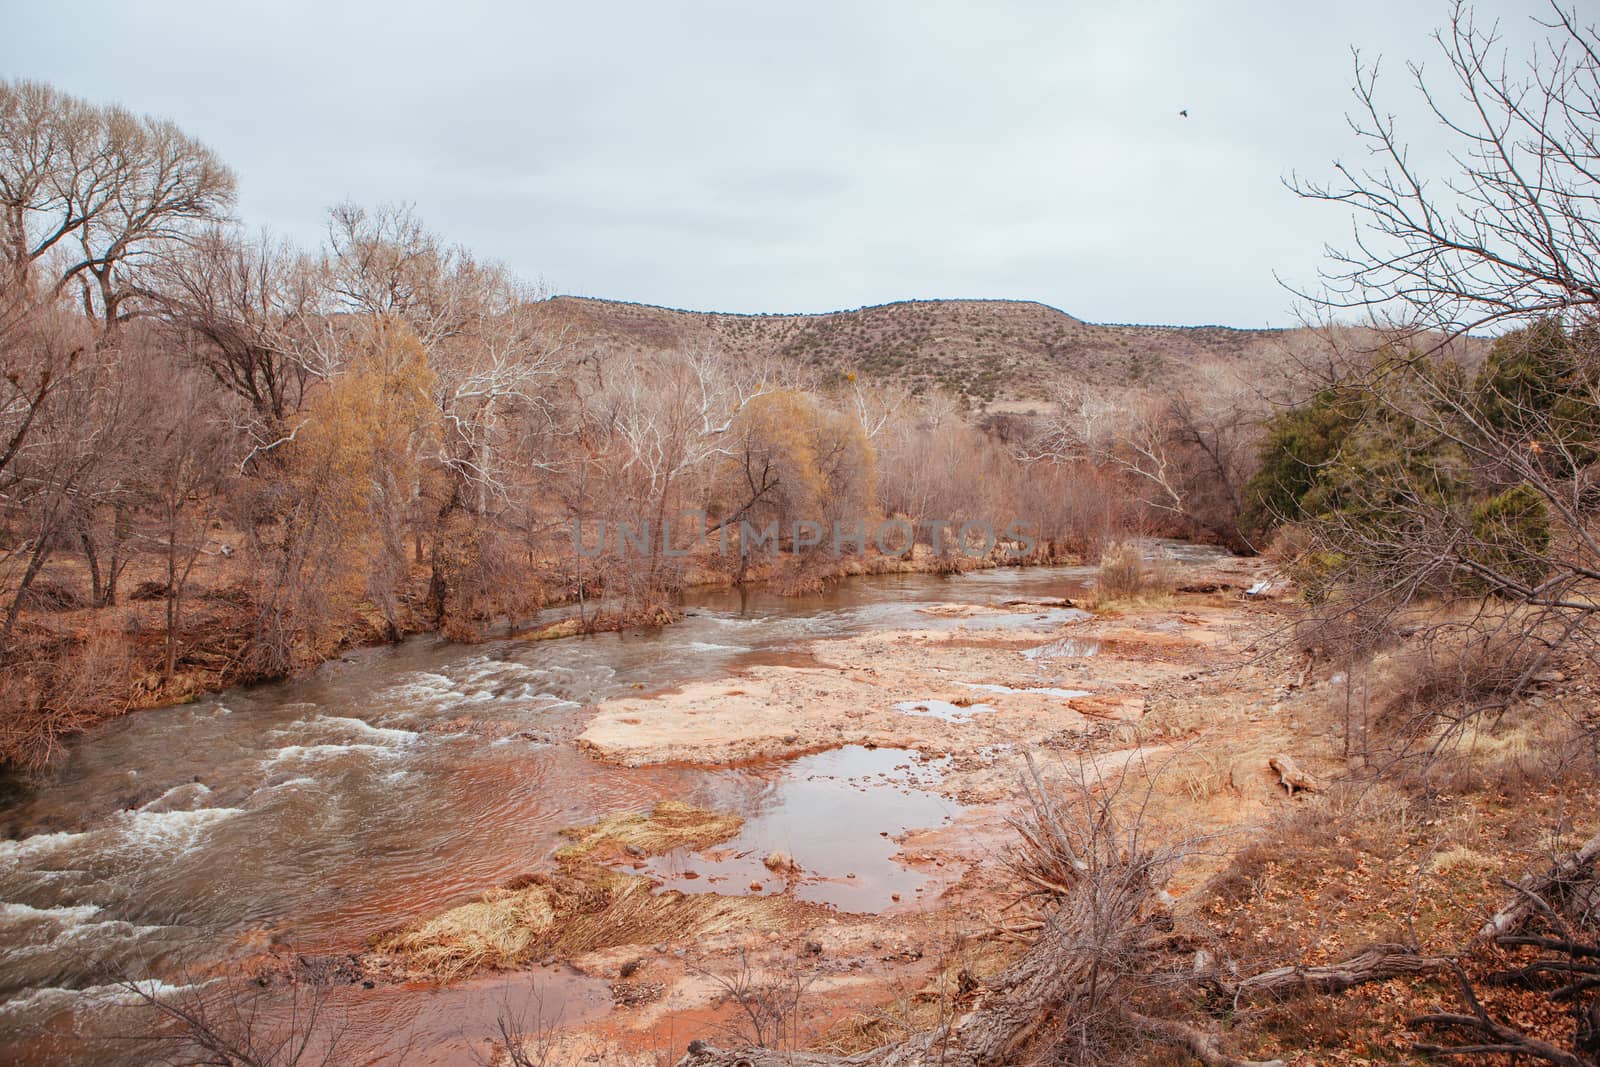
(1376, 963)
(1531, 890)
(701, 1054)
(1500, 1040)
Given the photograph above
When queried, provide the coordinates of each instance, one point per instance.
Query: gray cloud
(747, 157)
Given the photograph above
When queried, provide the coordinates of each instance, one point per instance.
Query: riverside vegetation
(224, 459)
(1329, 803)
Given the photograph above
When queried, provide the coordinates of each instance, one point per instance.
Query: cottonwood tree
(193, 460)
(385, 263)
(1185, 456)
(497, 388)
(328, 533)
(79, 449)
(89, 193)
(252, 313)
(655, 427)
(791, 459)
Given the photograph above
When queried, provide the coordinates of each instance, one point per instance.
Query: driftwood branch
(1501, 1039)
(1375, 963)
(701, 1054)
(1567, 867)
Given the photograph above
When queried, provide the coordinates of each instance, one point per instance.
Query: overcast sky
(798, 157)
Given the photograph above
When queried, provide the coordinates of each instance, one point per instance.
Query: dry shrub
(1508, 755)
(1465, 676)
(1349, 635)
(1126, 577)
(50, 594)
(53, 689)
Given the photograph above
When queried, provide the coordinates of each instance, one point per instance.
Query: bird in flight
(1184, 113)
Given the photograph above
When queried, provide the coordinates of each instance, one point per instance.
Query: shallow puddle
(943, 710)
(1049, 691)
(835, 815)
(454, 1026)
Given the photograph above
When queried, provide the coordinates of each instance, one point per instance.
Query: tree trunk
(121, 530)
(1372, 964)
(1567, 867)
(41, 551)
(92, 559)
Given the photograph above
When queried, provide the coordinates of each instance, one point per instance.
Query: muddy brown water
(397, 782)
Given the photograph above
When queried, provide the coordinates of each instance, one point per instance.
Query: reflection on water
(383, 786)
(801, 818)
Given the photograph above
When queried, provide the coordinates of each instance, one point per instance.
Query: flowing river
(384, 786)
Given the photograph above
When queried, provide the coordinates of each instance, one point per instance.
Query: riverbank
(383, 787)
(1182, 692)
(630, 835)
(112, 659)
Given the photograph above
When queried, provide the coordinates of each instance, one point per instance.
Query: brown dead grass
(1397, 860)
(1126, 580)
(567, 914)
(584, 905)
(671, 824)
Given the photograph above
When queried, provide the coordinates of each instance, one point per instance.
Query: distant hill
(989, 350)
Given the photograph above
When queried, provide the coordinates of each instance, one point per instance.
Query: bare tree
(1514, 232)
(95, 191)
(1450, 483)
(250, 312)
(194, 459)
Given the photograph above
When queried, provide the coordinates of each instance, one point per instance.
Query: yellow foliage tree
(795, 460)
(351, 475)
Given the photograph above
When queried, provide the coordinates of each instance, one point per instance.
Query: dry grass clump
(500, 929)
(964, 967)
(670, 824)
(57, 686)
(569, 914)
(585, 906)
(1127, 579)
(1480, 673)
